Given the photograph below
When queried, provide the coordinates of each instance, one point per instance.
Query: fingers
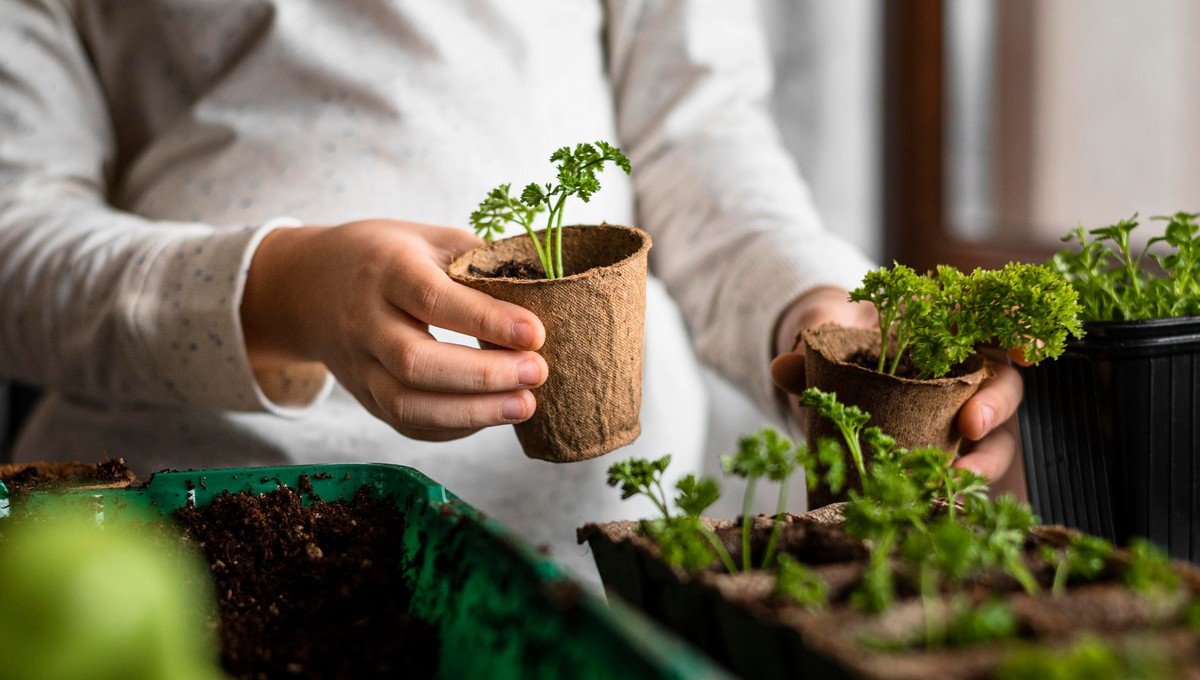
(420, 362)
(1018, 357)
(991, 456)
(987, 420)
(428, 294)
(451, 414)
(994, 403)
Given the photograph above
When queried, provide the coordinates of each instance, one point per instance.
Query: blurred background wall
(826, 103)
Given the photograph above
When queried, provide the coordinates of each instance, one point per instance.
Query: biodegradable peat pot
(595, 324)
(1110, 434)
(735, 619)
(918, 413)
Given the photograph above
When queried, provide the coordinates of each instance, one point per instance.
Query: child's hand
(359, 298)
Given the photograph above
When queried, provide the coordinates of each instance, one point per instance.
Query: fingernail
(513, 409)
(986, 415)
(529, 373)
(522, 334)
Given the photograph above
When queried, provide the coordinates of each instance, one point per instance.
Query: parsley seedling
(1115, 283)
(849, 420)
(798, 583)
(1149, 570)
(764, 454)
(685, 540)
(938, 319)
(577, 170)
(1084, 558)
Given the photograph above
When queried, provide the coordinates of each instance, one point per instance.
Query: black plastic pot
(1110, 433)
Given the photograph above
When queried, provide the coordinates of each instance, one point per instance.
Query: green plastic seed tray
(503, 610)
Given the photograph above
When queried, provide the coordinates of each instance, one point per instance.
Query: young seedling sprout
(764, 454)
(1084, 557)
(798, 583)
(577, 176)
(685, 540)
(849, 421)
(1149, 570)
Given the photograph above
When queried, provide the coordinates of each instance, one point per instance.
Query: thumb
(787, 372)
(451, 242)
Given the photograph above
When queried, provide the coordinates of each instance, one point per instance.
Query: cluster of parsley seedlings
(928, 528)
(1115, 283)
(939, 318)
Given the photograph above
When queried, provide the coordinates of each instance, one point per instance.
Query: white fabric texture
(146, 148)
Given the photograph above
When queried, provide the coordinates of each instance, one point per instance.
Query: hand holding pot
(984, 420)
(358, 300)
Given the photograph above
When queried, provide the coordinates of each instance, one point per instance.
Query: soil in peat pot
(310, 591)
(510, 269)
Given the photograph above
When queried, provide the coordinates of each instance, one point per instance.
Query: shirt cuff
(188, 322)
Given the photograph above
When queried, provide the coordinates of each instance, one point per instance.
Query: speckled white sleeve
(736, 235)
(96, 303)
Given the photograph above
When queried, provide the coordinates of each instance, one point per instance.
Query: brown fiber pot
(918, 413)
(595, 320)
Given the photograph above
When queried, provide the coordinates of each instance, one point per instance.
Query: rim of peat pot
(459, 268)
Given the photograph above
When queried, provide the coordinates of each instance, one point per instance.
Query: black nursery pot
(1110, 433)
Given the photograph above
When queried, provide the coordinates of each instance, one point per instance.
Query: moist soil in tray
(310, 591)
(304, 588)
(737, 621)
(23, 478)
(415, 584)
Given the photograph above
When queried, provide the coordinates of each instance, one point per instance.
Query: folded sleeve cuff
(187, 320)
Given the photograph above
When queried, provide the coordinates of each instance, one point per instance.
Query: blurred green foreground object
(102, 603)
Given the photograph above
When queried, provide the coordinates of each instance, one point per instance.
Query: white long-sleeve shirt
(147, 146)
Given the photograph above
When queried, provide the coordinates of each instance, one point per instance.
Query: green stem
(1019, 572)
(1060, 576)
(747, 500)
(551, 270)
(719, 547)
(662, 493)
(951, 493)
(780, 506)
(934, 631)
(537, 245)
(558, 234)
(896, 359)
(855, 447)
(885, 325)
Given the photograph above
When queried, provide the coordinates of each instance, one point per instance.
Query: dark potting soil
(905, 369)
(28, 477)
(510, 269)
(311, 591)
(870, 361)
